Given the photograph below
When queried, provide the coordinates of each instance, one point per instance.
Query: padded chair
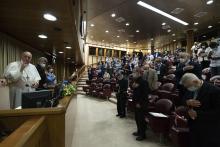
(86, 89)
(171, 71)
(179, 132)
(97, 89)
(171, 78)
(161, 125)
(168, 87)
(92, 88)
(106, 91)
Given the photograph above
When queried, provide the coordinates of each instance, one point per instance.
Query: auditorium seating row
(166, 117)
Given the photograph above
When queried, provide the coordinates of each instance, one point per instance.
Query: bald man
(22, 77)
(203, 102)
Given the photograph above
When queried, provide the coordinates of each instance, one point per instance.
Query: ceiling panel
(148, 22)
(24, 20)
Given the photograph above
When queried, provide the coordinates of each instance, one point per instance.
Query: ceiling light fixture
(92, 25)
(49, 17)
(68, 47)
(137, 31)
(127, 40)
(42, 36)
(173, 34)
(209, 27)
(68, 58)
(106, 31)
(113, 14)
(60, 52)
(169, 31)
(174, 40)
(127, 24)
(143, 4)
(152, 39)
(163, 24)
(196, 23)
(118, 36)
(209, 2)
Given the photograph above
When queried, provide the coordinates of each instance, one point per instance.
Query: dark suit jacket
(43, 76)
(197, 70)
(140, 93)
(208, 120)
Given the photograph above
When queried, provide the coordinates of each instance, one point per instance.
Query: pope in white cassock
(23, 77)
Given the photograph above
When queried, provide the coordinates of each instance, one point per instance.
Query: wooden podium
(37, 127)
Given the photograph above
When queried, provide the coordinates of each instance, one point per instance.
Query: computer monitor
(36, 99)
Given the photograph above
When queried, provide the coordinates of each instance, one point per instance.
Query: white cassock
(20, 81)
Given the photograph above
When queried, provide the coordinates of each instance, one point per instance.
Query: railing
(32, 133)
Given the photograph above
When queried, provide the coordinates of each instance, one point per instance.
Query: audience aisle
(95, 125)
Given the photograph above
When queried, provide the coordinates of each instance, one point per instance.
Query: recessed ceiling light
(106, 31)
(209, 27)
(68, 58)
(204, 36)
(103, 40)
(135, 42)
(174, 40)
(113, 14)
(209, 2)
(152, 39)
(92, 25)
(42, 36)
(49, 17)
(169, 30)
(196, 23)
(127, 40)
(118, 36)
(127, 24)
(173, 34)
(137, 31)
(143, 4)
(163, 24)
(60, 52)
(68, 47)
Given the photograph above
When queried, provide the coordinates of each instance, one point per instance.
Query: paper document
(158, 114)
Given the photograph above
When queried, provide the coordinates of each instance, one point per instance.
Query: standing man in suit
(186, 65)
(121, 95)
(203, 102)
(140, 98)
(150, 75)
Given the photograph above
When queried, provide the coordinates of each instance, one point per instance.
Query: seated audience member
(186, 65)
(51, 77)
(150, 75)
(106, 76)
(23, 77)
(41, 68)
(203, 102)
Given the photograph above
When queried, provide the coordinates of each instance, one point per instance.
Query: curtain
(11, 49)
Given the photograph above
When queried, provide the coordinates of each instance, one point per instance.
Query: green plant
(69, 90)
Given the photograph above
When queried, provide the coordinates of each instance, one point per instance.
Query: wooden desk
(54, 121)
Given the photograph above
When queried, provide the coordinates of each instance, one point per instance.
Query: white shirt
(216, 53)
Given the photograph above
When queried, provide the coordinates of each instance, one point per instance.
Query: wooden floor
(95, 125)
